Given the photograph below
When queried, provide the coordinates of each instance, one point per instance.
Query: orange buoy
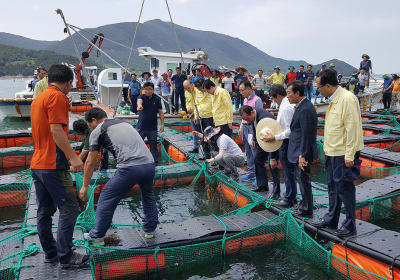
(232, 195)
(358, 261)
(130, 267)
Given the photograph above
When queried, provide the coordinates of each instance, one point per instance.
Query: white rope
(183, 63)
(101, 51)
(122, 45)
(129, 58)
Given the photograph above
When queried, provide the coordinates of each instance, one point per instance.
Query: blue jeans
(289, 170)
(196, 127)
(152, 139)
(308, 91)
(117, 187)
(55, 190)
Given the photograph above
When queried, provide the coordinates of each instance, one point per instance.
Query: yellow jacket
(41, 86)
(189, 99)
(204, 102)
(343, 134)
(222, 107)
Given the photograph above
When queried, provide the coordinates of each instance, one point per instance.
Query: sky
(310, 30)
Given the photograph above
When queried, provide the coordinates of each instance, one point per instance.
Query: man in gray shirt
(363, 80)
(135, 166)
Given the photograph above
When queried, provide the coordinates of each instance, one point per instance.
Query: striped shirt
(311, 76)
(259, 82)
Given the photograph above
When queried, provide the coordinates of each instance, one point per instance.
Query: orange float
(253, 242)
(13, 198)
(176, 155)
(130, 267)
(233, 196)
(360, 261)
(369, 132)
(363, 213)
(81, 108)
(368, 165)
(381, 145)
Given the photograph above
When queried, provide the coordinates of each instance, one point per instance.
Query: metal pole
(60, 12)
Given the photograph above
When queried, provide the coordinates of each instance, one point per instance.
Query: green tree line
(18, 61)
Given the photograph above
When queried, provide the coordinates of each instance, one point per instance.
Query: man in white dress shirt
(285, 115)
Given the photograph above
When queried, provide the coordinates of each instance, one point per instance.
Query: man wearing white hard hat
(302, 149)
(263, 122)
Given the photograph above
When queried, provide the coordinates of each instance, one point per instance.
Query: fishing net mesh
(116, 263)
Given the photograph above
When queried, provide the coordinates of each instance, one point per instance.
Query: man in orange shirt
(49, 167)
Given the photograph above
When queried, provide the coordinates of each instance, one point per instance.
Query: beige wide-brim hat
(268, 125)
(241, 67)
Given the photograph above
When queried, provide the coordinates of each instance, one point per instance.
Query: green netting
(393, 123)
(114, 263)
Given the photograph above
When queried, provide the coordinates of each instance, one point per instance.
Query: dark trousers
(180, 94)
(117, 187)
(387, 99)
(340, 192)
(173, 102)
(104, 156)
(261, 172)
(260, 93)
(226, 130)
(239, 100)
(306, 203)
(289, 170)
(152, 139)
(134, 103)
(125, 94)
(205, 122)
(54, 190)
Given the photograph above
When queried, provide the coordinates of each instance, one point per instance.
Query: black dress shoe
(322, 224)
(344, 232)
(301, 213)
(274, 196)
(260, 189)
(194, 151)
(283, 203)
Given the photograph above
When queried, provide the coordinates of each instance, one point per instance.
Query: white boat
(20, 105)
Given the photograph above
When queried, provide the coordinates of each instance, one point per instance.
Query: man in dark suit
(253, 116)
(302, 148)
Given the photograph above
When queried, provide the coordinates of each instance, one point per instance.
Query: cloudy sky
(311, 30)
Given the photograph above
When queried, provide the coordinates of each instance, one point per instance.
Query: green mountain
(223, 50)
(23, 42)
(18, 61)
